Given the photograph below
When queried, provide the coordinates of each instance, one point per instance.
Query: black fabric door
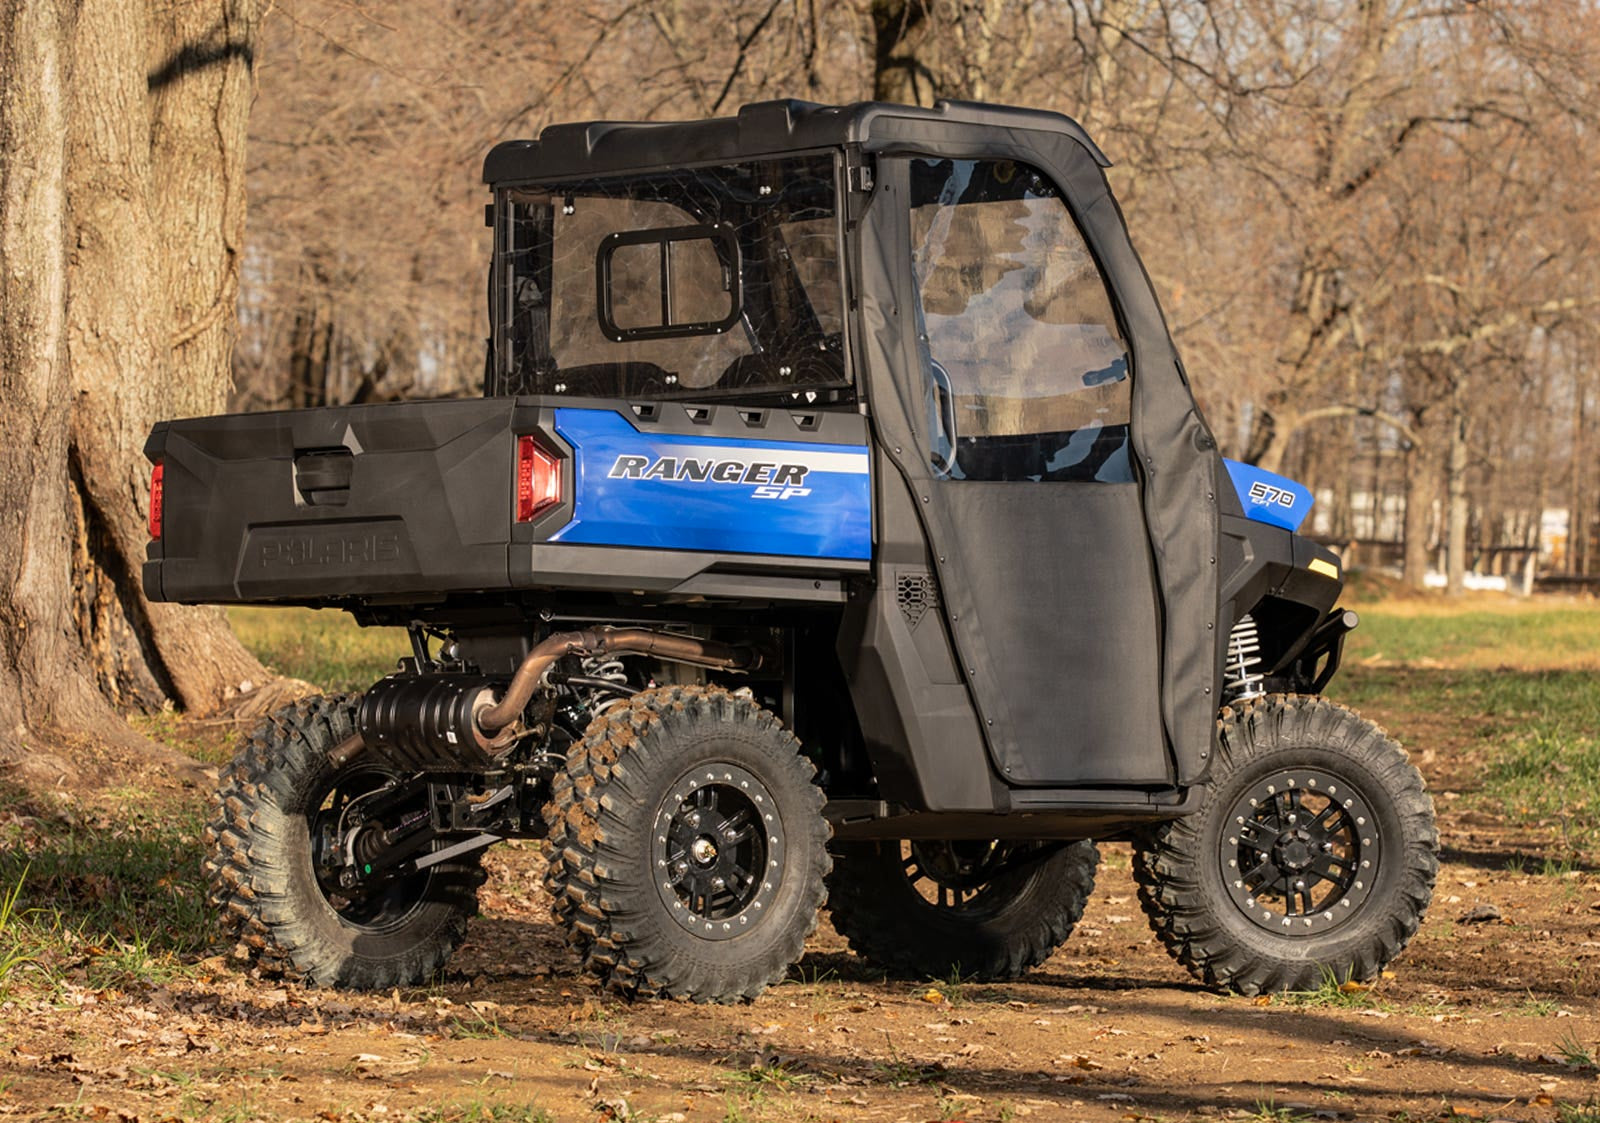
(1032, 500)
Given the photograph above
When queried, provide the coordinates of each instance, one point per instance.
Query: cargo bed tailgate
(397, 499)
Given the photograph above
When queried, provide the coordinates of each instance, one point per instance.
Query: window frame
(928, 385)
(726, 246)
(500, 364)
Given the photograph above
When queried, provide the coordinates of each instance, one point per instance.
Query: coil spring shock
(1242, 677)
(609, 670)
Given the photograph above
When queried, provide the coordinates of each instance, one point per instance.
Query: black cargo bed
(404, 499)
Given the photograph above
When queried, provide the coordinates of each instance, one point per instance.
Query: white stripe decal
(844, 463)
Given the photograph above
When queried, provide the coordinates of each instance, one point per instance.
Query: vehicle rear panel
(419, 499)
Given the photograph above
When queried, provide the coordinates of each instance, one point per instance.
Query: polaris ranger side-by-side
(837, 525)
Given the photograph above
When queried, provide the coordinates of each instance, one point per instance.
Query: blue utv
(836, 527)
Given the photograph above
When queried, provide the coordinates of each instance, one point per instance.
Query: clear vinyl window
(699, 282)
(1027, 369)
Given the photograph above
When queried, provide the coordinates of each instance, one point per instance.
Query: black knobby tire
(624, 804)
(261, 861)
(1313, 856)
(908, 909)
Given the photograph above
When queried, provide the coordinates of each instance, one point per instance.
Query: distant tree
(122, 127)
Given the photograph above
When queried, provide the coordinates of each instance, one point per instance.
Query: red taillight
(538, 480)
(155, 500)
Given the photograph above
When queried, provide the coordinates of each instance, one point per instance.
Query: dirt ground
(1493, 1013)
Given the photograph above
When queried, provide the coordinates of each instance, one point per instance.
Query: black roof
(764, 128)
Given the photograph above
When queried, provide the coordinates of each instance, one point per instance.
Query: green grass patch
(482, 1111)
(1536, 733)
(1551, 775)
(1575, 1053)
(1334, 993)
(477, 1028)
(1524, 634)
(900, 1072)
(1269, 1112)
(769, 1074)
(1535, 1007)
(16, 950)
(208, 742)
(322, 646)
(110, 899)
(954, 986)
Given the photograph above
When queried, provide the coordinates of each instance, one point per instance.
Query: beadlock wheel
(1302, 851)
(688, 847)
(1314, 852)
(338, 846)
(719, 850)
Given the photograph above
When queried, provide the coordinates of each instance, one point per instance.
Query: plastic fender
(1270, 498)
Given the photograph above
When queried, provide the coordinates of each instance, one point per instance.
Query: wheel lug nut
(1299, 884)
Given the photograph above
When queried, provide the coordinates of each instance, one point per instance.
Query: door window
(1027, 368)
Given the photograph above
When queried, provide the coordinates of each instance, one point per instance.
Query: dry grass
(1480, 631)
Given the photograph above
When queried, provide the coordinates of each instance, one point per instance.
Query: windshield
(701, 282)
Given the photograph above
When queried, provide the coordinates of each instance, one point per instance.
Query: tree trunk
(1577, 520)
(1418, 513)
(121, 183)
(310, 355)
(1269, 439)
(903, 34)
(1456, 490)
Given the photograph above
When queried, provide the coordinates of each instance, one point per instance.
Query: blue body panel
(1270, 498)
(674, 491)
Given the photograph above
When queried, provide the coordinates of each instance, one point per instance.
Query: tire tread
(261, 913)
(910, 943)
(1170, 866)
(594, 818)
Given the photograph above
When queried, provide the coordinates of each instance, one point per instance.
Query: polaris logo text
(325, 549)
(772, 481)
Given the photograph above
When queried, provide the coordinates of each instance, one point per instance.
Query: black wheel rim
(717, 851)
(335, 812)
(1299, 851)
(957, 875)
